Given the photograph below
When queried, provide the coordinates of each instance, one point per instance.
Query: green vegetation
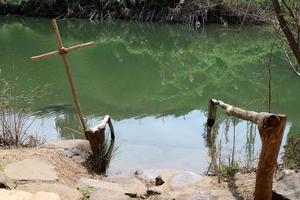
(186, 12)
(291, 157)
(86, 192)
(100, 163)
(229, 170)
(16, 117)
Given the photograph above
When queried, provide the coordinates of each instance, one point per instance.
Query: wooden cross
(62, 51)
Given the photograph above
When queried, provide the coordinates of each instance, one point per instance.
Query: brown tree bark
(271, 128)
(271, 136)
(96, 135)
(286, 30)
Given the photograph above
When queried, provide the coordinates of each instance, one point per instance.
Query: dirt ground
(69, 172)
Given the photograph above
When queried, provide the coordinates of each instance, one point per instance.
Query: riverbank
(195, 12)
(58, 171)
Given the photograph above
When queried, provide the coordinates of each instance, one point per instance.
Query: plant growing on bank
(291, 157)
(16, 116)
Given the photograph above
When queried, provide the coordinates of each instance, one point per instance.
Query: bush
(16, 116)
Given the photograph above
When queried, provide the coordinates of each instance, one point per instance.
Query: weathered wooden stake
(271, 134)
(271, 128)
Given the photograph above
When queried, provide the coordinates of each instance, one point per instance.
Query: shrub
(16, 116)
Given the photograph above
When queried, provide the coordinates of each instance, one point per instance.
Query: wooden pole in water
(271, 128)
(62, 51)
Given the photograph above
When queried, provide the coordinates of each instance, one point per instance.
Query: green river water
(155, 81)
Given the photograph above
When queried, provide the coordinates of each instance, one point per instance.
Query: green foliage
(86, 192)
(229, 171)
(253, 2)
(15, 113)
(291, 156)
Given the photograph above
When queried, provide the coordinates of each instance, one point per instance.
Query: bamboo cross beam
(62, 51)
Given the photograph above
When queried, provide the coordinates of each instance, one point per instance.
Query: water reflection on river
(155, 81)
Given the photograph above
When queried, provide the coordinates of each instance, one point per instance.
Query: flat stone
(79, 159)
(122, 179)
(31, 169)
(288, 186)
(78, 150)
(66, 152)
(5, 182)
(21, 195)
(149, 175)
(199, 195)
(63, 191)
(105, 194)
(222, 194)
(131, 185)
(78, 146)
(184, 180)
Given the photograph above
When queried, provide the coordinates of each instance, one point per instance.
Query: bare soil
(69, 171)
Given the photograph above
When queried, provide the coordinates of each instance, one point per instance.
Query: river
(155, 81)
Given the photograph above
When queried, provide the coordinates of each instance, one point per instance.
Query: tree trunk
(271, 136)
(286, 30)
(96, 135)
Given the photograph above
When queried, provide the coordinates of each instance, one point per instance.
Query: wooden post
(96, 137)
(96, 134)
(271, 133)
(212, 112)
(271, 128)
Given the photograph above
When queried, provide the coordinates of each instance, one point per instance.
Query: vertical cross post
(62, 51)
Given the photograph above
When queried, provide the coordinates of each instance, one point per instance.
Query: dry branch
(233, 111)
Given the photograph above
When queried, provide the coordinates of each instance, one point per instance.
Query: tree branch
(286, 30)
(258, 118)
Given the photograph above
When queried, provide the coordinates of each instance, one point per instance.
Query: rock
(159, 181)
(119, 184)
(78, 150)
(225, 194)
(184, 180)
(31, 169)
(149, 176)
(288, 171)
(199, 195)
(5, 182)
(63, 191)
(21, 195)
(288, 186)
(153, 191)
(66, 152)
(105, 194)
(206, 194)
(77, 146)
